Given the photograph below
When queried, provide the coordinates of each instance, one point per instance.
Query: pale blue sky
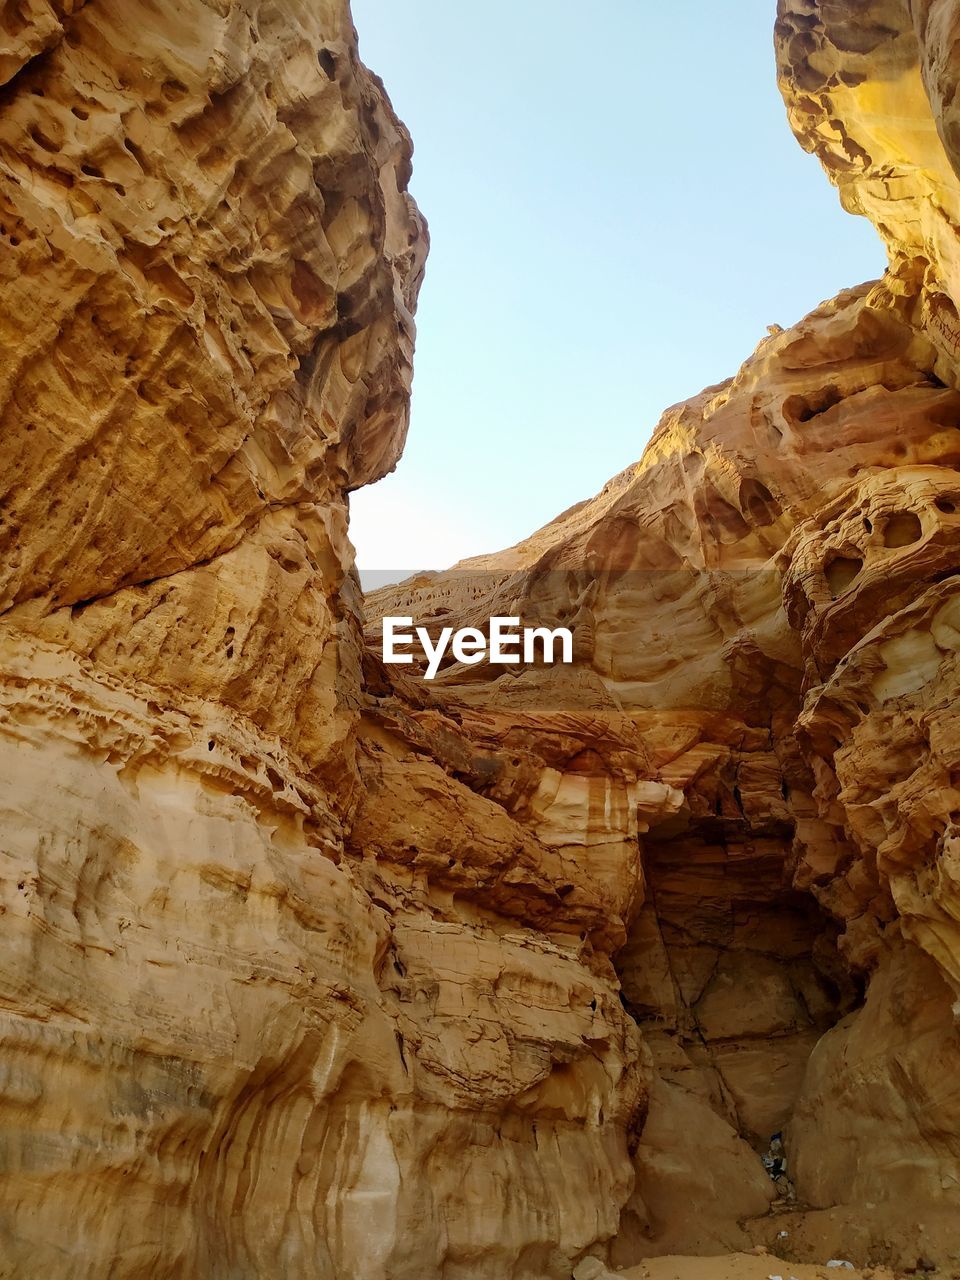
(617, 210)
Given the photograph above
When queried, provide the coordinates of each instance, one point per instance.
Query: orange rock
(310, 965)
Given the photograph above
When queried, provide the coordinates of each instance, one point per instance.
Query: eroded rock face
(309, 965)
(278, 989)
(714, 590)
(208, 268)
(768, 597)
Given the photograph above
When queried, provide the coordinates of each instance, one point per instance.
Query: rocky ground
(741, 1266)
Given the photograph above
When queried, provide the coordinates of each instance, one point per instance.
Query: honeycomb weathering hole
(801, 408)
(902, 530)
(840, 572)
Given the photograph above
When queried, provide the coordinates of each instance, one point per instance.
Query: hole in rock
(840, 572)
(946, 505)
(41, 139)
(733, 977)
(328, 63)
(902, 529)
(758, 503)
(174, 90)
(725, 522)
(135, 151)
(799, 409)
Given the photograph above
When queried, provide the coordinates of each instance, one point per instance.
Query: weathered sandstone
(709, 609)
(768, 597)
(311, 968)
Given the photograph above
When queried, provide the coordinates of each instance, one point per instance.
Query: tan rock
(767, 595)
(307, 964)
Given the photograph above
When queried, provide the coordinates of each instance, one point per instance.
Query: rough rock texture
(769, 598)
(208, 265)
(276, 989)
(715, 589)
(308, 967)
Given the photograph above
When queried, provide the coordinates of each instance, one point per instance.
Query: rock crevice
(307, 963)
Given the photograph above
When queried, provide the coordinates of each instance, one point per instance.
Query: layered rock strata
(310, 966)
(717, 591)
(767, 596)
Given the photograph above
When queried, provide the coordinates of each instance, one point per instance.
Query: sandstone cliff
(208, 267)
(767, 600)
(310, 968)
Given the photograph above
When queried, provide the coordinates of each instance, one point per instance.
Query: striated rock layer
(732, 596)
(768, 599)
(311, 968)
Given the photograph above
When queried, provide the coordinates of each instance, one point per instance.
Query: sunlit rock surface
(721, 592)
(310, 967)
(768, 598)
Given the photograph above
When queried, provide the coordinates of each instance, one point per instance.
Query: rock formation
(767, 598)
(716, 590)
(310, 967)
(208, 266)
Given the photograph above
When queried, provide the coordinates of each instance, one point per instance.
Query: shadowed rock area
(309, 967)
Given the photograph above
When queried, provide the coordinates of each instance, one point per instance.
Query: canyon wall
(768, 599)
(310, 966)
(208, 268)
